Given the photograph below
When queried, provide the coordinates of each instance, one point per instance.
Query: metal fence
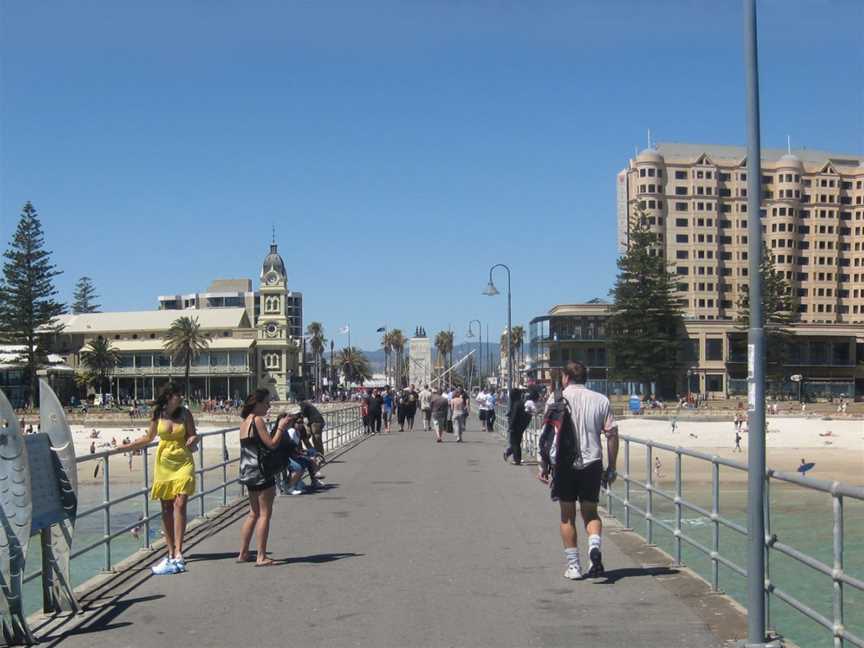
(622, 492)
(342, 426)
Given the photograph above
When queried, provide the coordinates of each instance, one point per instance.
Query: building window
(680, 191)
(271, 361)
(680, 238)
(714, 382)
(680, 175)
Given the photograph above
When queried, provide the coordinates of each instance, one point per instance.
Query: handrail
(621, 494)
(342, 426)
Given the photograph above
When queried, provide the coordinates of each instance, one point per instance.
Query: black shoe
(506, 455)
(596, 570)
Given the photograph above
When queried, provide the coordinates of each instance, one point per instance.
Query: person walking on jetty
(459, 413)
(571, 454)
(522, 408)
(174, 472)
(426, 407)
(388, 408)
(440, 411)
(257, 479)
(411, 408)
(375, 403)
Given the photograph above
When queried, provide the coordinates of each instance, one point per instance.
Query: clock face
(272, 330)
(272, 278)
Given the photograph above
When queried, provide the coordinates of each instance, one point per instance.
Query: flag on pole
(345, 329)
(383, 329)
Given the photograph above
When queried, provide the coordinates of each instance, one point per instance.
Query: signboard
(45, 489)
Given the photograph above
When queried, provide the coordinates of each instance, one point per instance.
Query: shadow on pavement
(612, 576)
(102, 621)
(317, 559)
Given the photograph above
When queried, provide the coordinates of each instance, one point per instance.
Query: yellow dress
(174, 473)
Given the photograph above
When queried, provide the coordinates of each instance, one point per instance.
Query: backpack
(559, 443)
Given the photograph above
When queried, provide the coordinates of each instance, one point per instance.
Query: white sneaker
(297, 491)
(180, 564)
(164, 567)
(574, 572)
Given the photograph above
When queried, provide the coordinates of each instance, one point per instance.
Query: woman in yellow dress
(174, 472)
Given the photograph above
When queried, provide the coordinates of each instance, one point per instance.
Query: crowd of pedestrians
(280, 455)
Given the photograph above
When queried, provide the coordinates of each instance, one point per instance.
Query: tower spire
(274, 234)
(789, 144)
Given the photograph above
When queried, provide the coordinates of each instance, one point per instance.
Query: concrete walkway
(413, 544)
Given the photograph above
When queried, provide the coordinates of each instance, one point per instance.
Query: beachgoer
(174, 472)
(482, 408)
(426, 407)
(491, 400)
(591, 416)
(658, 468)
(261, 486)
(738, 438)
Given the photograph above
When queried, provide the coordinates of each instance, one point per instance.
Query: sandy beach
(835, 446)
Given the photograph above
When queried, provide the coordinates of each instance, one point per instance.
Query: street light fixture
(491, 291)
(470, 335)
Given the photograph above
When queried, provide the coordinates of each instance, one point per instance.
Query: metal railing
(622, 492)
(342, 426)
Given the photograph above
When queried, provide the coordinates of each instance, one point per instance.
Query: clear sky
(400, 148)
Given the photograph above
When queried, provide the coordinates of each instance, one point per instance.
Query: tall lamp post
(491, 291)
(470, 335)
(756, 608)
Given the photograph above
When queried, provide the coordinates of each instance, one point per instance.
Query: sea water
(800, 518)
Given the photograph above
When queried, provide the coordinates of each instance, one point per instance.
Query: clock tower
(277, 354)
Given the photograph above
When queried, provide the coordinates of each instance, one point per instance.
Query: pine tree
(646, 325)
(28, 302)
(778, 308)
(85, 296)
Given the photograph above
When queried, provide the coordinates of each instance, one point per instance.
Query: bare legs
(593, 524)
(257, 521)
(168, 525)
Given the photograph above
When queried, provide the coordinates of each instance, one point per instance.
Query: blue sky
(400, 148)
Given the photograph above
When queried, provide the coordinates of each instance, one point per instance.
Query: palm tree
(354, 365)
(444, 346)
(100, 358)
(185, 341)
(315, 330)
(516, 337)
(387, 344)
(397, 342)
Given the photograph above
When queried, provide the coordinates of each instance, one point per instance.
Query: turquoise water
(800, 518)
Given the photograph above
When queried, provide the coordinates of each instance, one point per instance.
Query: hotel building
(694, 198)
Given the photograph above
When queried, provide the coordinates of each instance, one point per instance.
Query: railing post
(838, 568)
(201, 475)
(679, 494)
(649, 499)
(627, 484)
(146, 456)
(767, 518)
(715, 513)
(106, 516)
(224, 470)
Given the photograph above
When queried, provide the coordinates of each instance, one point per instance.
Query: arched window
(271, 305)
(271, 360)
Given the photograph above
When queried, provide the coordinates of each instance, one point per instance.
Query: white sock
(572, 555)
(593, 541)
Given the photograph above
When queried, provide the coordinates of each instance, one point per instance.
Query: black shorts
(569, 484)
